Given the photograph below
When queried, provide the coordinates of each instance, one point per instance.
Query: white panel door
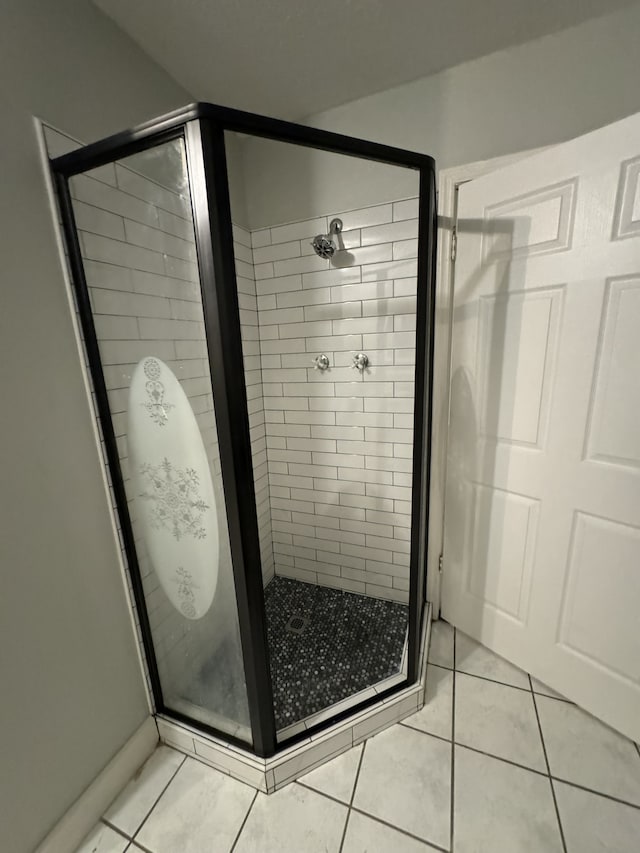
(542, 508)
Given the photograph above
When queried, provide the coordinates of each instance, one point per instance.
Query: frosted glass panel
(136, 232)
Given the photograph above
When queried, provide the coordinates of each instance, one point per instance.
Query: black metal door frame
(202, 127)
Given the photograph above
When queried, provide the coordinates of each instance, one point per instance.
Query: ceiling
(295, 58)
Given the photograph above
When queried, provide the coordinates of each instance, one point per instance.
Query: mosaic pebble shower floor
(326, 644)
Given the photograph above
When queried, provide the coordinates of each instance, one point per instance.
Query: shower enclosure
(256, 304)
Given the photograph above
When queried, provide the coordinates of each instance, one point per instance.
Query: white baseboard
(92, 804)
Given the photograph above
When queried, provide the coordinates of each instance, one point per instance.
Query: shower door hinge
(440, 561)
(454, 243)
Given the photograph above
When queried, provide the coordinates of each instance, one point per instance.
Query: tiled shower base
(270, 774)
(329, 650)
(327, 645)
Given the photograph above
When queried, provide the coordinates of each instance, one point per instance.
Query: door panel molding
(627, 211)
(545, 404)
(547, 228)
(522, 379)
(613, 392)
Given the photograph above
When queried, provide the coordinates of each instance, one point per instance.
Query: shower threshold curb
(271, 774)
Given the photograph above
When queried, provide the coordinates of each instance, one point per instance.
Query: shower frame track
(202, 127)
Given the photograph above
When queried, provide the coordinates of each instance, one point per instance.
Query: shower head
(323, 244)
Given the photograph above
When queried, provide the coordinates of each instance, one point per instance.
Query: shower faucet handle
(360, 362)
(321, 362)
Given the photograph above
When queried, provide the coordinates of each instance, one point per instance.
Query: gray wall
(71, 685)
(72, 689)
(539, 93)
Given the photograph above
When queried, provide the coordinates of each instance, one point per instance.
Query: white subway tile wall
(249, 333)
(339, 443)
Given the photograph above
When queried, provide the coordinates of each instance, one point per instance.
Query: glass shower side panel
(337, 344)
(250, 335)
(136, 233)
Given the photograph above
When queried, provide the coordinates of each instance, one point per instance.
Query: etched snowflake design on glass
(186, 586)
(176, 505)
(157, 405)
(151, 369)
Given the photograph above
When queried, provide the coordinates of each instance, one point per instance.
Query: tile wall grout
(251, 346)
(405, 199)
(302, 309)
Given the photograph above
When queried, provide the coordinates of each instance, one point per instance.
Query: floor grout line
(157, 800)
(115, 828)
(321, 793)
(439, 666)
(546, 761)
(344, 830)
(503, 683)
(370, 815)
(475, 749)
(139, 846)
(555, 698)
(497, 681)
(355, 781)
(514, 686)
(399, 829)
(515, 764)
(453, 749)
(524, 767)
(597, 793)
(353, 794)
(361, 811)
(500, 758)
(406, 725)
(242, 825)
(492, 680)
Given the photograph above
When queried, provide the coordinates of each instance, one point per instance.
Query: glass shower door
(328, 300)
(135, 227)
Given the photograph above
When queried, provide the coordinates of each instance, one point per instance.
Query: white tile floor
(495, 761)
